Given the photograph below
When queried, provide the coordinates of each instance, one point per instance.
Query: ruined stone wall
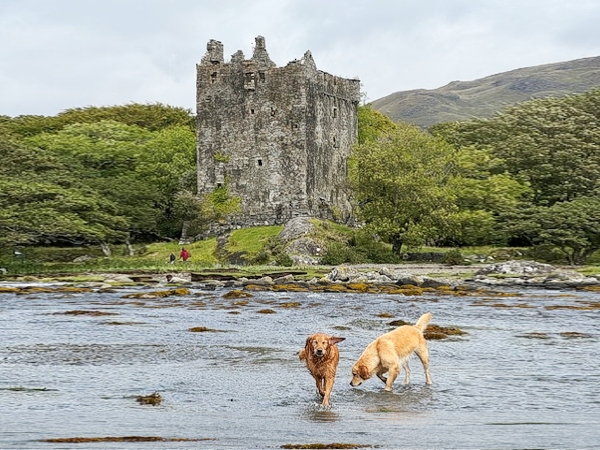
(278, 137)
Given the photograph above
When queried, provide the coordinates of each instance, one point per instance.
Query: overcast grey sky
(60, 54)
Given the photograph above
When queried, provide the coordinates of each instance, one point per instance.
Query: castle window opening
(213, 77)
(261, 76)
(334, 112)
(249, 82)
(259, 162)
(251, 110)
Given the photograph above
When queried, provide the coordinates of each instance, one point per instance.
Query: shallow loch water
(526, 374)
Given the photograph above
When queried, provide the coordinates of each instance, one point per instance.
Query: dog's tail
(423, 321)
(302, 355)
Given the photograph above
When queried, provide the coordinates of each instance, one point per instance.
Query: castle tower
(277, 137)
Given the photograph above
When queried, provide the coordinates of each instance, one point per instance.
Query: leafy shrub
(283, 259)
(546, 253)
(453, 258)
(339, 253)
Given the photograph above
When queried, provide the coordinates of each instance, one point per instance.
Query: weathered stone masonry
(279, 137)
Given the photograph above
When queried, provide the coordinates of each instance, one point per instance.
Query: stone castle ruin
(276, 137)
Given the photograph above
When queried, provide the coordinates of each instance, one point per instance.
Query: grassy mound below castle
(254, 249)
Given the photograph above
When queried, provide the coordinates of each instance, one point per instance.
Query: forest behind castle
(528, 176)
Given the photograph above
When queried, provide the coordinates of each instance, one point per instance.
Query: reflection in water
(516, 380)
(319, 413)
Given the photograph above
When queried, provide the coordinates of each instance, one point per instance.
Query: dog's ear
(334, 340)
(308, 342)
(363, 372)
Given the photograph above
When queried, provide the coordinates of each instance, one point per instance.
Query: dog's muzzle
(319, 353)
(355, 383)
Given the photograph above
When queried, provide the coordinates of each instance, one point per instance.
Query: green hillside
(463, 100)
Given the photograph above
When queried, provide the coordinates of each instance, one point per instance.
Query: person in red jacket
(184, 255)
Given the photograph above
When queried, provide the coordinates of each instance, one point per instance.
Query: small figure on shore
(184, 255)
(172, 258)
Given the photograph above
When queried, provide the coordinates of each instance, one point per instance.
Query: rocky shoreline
(407, 279)
(514, 273)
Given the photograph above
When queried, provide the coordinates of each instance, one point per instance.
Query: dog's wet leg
(406, 368)
(423, 355)
(328, 389)
(320, 382)
(393, 372)
(381, 377)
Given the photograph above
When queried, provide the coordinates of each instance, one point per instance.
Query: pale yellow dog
(390, 353)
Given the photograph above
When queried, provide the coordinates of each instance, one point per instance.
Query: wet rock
(235, 293)
(291, 287)
(201, 330)
(264, 281)
(284, 280)
(401, 277)
(81, 312)
(437, 283)
(173, 279)
(349, 274)
(575, 335)
(433, 331)
(532, 274)
(437, 332)
(158, 294)
(517, 268)
(343, 273)
(152, 399)
(118, 278)
(570, 277)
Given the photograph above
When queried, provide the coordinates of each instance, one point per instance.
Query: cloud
(59, 54)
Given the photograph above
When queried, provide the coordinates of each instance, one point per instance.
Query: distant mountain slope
(463, 100)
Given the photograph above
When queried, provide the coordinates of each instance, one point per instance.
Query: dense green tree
(553, 144)
(104, 156)
(168, 162)
(482, 192)
(131, 162)
(43, 201)
(137, 170)
(571, 226)
(400, 181)
(152, 117)
(372, 124)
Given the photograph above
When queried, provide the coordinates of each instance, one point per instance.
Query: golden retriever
(322, 356)
(391, 352)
